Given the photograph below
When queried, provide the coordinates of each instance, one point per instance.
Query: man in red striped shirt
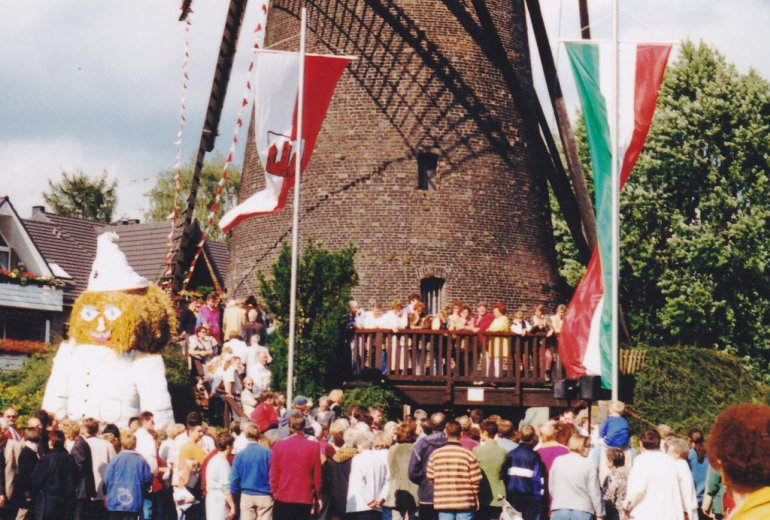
(456, 475)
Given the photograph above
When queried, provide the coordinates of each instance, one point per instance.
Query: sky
(96, 85)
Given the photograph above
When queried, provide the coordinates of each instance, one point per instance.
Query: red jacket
(264, 415)
(484, 322)
(295, 470)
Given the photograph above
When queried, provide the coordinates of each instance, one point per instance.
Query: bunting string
(174, 216)
(259, 37)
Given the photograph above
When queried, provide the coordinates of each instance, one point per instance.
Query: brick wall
(432, 76)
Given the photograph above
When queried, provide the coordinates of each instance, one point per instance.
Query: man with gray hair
(369, 482)
(678, 449)
(418, 463)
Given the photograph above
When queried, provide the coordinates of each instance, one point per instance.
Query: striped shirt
(456, 474)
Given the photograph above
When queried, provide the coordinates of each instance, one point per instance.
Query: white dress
(217, 484)
(653, 488)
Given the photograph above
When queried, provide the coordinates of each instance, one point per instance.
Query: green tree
(162, 194)
(77, 195)
(695, 214)
(325, 279)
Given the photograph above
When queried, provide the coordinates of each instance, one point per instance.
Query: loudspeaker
(590, 387)
(564, 388)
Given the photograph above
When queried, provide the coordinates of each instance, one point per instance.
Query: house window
(426, 170)
(431, 289)
(5, 254)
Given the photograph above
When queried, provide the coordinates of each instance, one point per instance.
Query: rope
(630, 411)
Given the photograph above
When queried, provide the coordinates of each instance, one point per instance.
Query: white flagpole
(615, 187)
(295, 222)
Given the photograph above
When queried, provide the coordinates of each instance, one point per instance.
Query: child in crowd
(613, 433)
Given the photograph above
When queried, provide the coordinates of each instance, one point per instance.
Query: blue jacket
(126, 479)
(418, 464)
(251, 471)
(614, 431)
(524, 473)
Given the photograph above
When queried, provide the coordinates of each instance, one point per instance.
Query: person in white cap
(110, 367)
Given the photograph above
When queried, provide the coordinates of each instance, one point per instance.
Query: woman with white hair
(369, 479)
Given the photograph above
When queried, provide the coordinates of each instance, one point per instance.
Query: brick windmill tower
(430, 162)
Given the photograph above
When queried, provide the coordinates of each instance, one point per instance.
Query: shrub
(687, 387)
(376, 395)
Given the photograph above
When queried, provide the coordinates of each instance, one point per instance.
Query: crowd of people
(347, 463)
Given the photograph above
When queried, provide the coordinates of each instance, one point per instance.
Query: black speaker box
(590, 387)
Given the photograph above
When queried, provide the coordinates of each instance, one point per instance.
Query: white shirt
(146, 447)
(687, 487)
(100, 382)
(369, 481)
(372, 322)
(239, 348)
(102, 452)
(653, 488)
(391, 320)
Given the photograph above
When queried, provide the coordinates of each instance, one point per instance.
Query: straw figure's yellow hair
(145, 321)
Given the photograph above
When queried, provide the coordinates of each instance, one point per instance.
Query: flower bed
(21, 346)
(17, 277)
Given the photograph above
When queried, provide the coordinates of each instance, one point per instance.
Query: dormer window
(5, 253)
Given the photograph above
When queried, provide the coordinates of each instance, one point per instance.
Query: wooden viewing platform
(459, 368)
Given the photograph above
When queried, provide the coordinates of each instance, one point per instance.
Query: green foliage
(77, 195)
(162, 195)
(687, 387)
(375, 395)
(324, 282)
(178, 379)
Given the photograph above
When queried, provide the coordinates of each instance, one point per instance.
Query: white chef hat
(110, 271)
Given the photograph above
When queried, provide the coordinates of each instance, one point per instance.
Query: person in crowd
(11, 432)
(483, 319)
(499, 348)
(699, 463)
(257, 361)
(523, 473)
(466, 440)
(519, 325)
(233, 319)
(147, 448)
(557, 319)
(401, 502)
(80, 451)
(411, 301)
(664, 430)
(265, 415)
(295, 473)
(491, 457)
(200, 349)
(337, 398)
(713, 500)
(454, 320)
(417, 318)
(126, 478)
(23, 492)
(301, 405)
(549, 449)
(456, 475)
(231, 377)
(336, 472)
(191, 450)
(254, 327)
(418, 463)
(653, 488)
(238, 347)
(250, 477)
(505, 434)
(573, 484)
(323, 414)
(54, 481)
(678, 449)
(376, 413)
(102, 452)
(615, 484)
(374, 319)
(369, 481)
(540, 322)
(219, 499)
(210, 316)
(188, 319)
(613, 433)
(396, 318)
(10, 450)
(739, 448)
(248, 400)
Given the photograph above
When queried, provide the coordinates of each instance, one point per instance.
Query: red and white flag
(275, 130)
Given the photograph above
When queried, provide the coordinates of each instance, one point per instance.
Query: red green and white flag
(585, 342)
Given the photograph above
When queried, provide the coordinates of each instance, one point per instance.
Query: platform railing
(440, 357)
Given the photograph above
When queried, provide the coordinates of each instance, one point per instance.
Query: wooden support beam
(209, 134)
(585, 24)
(585, 207)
